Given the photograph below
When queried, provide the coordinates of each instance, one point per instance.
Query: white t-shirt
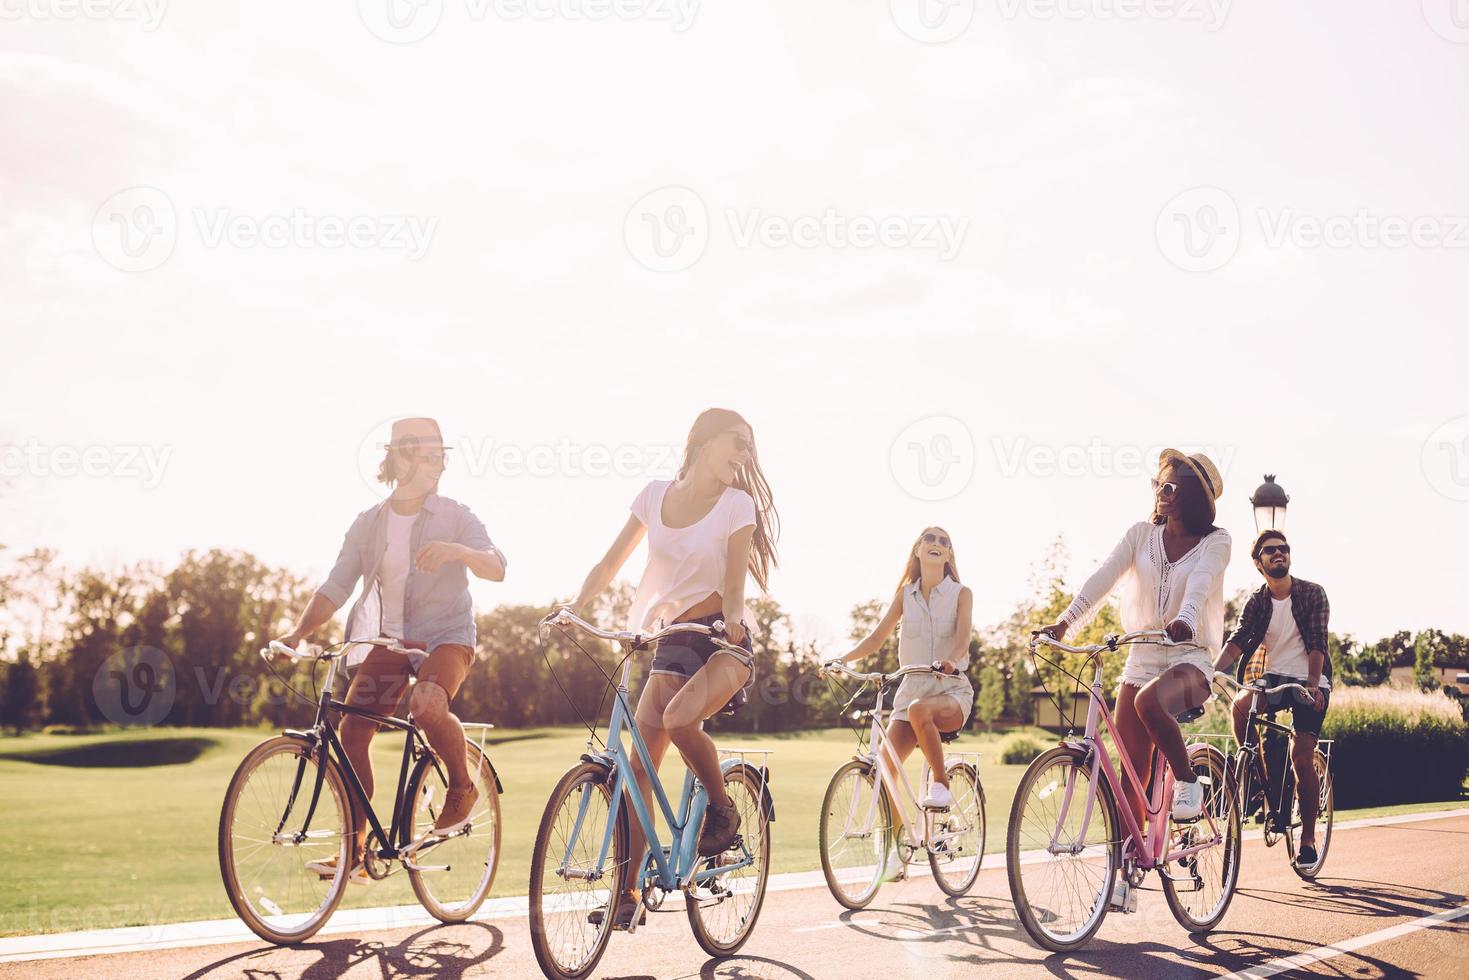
(1285, 651)
(685, 564)
(392, 574)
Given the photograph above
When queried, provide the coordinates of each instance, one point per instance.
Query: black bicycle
(1265, 777)
(286, 829)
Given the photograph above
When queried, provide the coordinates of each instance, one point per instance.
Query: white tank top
(928, 628)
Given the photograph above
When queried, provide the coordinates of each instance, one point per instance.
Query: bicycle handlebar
(1114, 641)
(564, 617)
(878, 677)
(1304, 692)
(278, 649)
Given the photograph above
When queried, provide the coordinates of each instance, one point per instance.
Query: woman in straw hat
(1171, 568)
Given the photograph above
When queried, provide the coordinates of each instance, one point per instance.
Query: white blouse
(685, 564)
(928, 629)
(1156, 591)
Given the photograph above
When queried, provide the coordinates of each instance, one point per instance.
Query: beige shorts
(916, 687)
(1146, 661)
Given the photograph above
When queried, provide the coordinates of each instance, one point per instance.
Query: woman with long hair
(936, 612)
(707, 529)
(1171, 569)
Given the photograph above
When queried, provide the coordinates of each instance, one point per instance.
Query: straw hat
(415, 434)
(1203, 467)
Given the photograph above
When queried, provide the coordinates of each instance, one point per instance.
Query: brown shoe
(458, 805)
(721, 827)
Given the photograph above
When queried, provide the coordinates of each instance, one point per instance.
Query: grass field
(119, 829)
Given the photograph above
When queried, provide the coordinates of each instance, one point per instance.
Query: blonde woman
(707, 529)
(937, 614)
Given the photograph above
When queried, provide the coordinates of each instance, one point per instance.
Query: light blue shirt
(437, 609)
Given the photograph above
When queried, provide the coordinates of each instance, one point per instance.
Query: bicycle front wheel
(455, 874)
(956, 836)
(722, 912)
(1325, 805)
(855, 834)
(264, 853)
(1062, 864)
(572, 887)
(1200, 886)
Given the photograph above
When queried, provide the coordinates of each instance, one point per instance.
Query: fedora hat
(415, 434)
(1203, 467)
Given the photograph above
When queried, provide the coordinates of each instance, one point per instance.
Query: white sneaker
(327, 869)
(938, 798)
(895, 870)
(1188, 800)
(1124, 898)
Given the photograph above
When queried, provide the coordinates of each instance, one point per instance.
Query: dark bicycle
(1272, 784)
(290, 803)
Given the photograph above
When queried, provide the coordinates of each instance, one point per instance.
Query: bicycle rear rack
(762, 766)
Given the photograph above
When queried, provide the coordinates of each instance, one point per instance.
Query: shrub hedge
(1395, 746)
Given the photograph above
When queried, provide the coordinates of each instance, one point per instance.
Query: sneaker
(896, 869)
(327, 869)
(1188, 800)
(938, 798)
(630, 907)
(1124, 897)
(458, 805)
(1306, 856)
(721, 827)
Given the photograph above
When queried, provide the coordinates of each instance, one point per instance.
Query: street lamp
(1269, 501)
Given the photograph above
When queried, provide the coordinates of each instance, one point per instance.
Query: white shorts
(1146, 661)
(916, 687)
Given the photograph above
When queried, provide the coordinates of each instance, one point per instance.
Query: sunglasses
(742, 444)
(932, 538)
(1273, 549)
(437, 459)
(1169, 489)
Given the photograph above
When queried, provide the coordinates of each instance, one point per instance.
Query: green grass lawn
(120, 829)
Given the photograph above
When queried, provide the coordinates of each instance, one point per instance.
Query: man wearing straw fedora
(412, 553)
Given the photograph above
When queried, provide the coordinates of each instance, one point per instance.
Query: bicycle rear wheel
(955, 860)
(1199, 887)
(567, 882)
(722, 912)
(263, 855)
(1325, 805)
(1061, 877)
(852, 852)
(468, 859)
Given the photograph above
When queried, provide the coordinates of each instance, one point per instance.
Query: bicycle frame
(1148, 851)
(676, 865)
(1252, 749)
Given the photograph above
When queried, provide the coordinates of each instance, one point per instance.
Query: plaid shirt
(1311, 610)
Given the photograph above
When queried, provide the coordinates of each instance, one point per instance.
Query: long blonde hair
(912, 570)
(749, 478)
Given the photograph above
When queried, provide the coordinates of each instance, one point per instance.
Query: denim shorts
(682, 654)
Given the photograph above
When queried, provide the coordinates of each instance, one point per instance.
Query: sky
(959, 264)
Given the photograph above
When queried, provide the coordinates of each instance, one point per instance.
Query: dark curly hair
(1264, 536)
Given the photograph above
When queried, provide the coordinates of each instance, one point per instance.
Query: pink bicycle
(1071, 830)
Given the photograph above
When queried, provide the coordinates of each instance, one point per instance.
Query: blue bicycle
(583, 841)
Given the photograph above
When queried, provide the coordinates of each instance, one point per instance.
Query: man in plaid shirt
(1287, 619)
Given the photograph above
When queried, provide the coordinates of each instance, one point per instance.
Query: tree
(991, 699)
(1425, 645)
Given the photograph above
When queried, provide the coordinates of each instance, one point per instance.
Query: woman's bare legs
(657, 693)
(1177, 690)
(1136, 745)
(929, 716)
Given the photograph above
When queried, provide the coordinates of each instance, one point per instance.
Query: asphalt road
(1377, 878)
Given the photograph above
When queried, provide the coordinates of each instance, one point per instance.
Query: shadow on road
(1240, 950)
(1354, 896)
(438, 951)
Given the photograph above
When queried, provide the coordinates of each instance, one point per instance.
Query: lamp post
(1269, 501)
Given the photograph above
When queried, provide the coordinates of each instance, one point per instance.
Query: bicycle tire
(865, 775)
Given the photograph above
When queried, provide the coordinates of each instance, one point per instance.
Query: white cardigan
(1155, 591)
